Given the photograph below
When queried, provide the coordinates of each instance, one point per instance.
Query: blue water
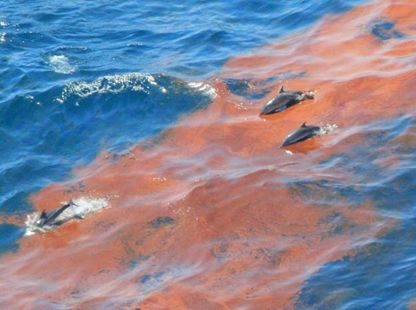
(381, 275)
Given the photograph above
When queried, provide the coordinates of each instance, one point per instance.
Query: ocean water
(79, 78)
(154, 107)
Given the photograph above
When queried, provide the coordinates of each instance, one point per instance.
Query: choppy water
(154, 107)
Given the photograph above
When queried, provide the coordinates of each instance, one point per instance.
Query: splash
(137, 82)
(204, 88)
(112, 84)
(327, 128)
(79, 208)
(60, 64)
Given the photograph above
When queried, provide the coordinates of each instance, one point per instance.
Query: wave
(384, 174)
(83, 118)
(213, 212)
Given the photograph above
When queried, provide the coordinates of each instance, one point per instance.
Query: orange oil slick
(240, 236)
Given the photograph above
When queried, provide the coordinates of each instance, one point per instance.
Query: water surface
(207, 211)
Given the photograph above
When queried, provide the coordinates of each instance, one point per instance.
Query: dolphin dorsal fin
(282, 90)
(303, 125)
(43, 215)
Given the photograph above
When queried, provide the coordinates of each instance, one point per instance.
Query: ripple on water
(112, 112)
(214, 213)
(385, 175)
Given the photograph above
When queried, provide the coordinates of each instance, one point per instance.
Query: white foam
(113, 84)
(2, 37)
(327, 129)
(80, 208)
(84, 206)
(60, 64)
(205, 88)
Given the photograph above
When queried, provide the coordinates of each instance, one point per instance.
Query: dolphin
(304, 132)
(285, 99)
(51, 218)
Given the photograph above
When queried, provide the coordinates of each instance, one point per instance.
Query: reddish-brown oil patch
(233, 233)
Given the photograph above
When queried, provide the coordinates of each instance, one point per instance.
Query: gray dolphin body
(304, 132)
(286, 99)
(52, 218)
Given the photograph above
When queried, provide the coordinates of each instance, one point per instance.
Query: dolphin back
(284, 100)
(303, 133)
(52, 216)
